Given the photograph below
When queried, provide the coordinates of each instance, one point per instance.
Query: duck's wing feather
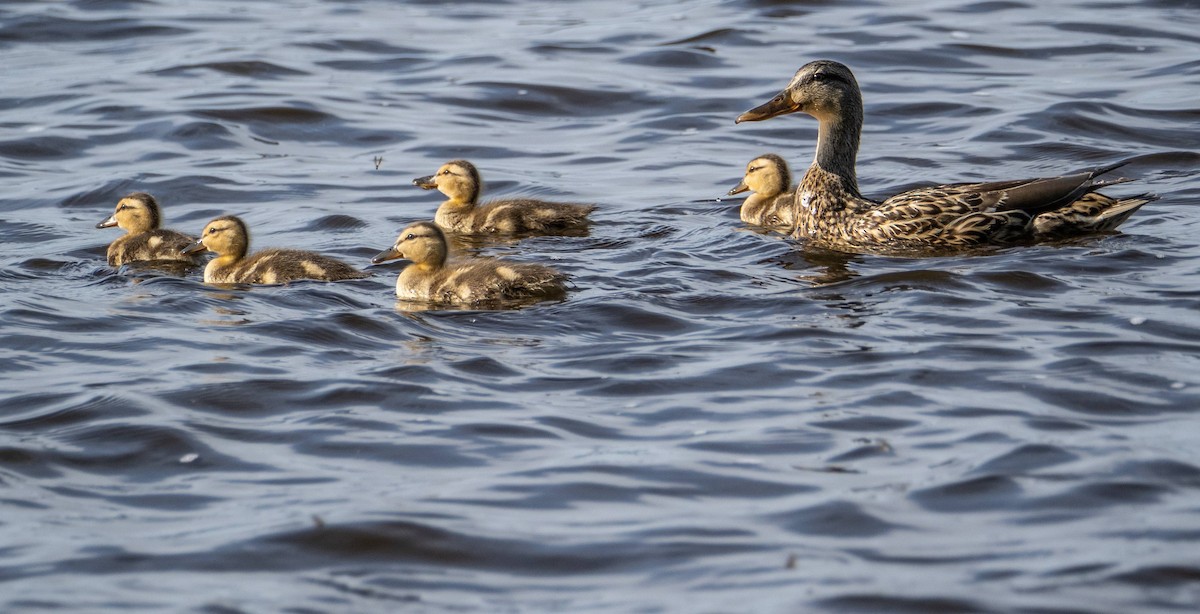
(1031, 196)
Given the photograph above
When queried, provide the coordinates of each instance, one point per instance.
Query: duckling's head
(136, 213)
(423, 243)
(226, 235)
(767, 175)
(457, 179)
(824, 89)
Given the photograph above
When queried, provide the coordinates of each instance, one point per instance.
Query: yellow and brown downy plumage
(228, 237)
(831, 211)
(463, 213)
(770, 205)
(139, 216)
(432, 278)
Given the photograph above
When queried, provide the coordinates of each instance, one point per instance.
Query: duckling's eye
(754, 169)
(445, 172)
(410, 237)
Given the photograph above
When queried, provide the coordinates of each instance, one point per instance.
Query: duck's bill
(425, 183)
(738, 189)
(109, 223)
(779, 105)
(193, 248)
(385, 255)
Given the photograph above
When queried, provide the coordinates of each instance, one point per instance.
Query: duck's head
(767, 175)
(824, 89)
(137, 212)
(226, 235)
(423, 243)
(457, 179)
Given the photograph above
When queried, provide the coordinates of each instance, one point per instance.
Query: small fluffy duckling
(462, 213)
(430, 278)
(139, 216)
(771, 203)
(229, 238)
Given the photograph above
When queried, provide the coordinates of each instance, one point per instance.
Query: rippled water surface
(714, 420)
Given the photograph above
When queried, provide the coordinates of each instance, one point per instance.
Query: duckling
(831, 211)
(229, 238)
(462, 213)
(139, 216)
(771, 204)
(431, 278)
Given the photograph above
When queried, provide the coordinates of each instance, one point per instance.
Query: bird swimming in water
(463, 213)
(771, 203)
(831, 211)
(433, 278)
(138, 214)
(230, 239)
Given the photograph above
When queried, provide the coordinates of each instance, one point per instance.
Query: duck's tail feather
(1093, 213)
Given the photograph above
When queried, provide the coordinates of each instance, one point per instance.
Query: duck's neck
(217, 268)
(837, 147)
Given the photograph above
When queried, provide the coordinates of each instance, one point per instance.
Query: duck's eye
(754, 169)
(410, 237)
(445, 172)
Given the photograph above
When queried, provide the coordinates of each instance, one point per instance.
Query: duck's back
(480, 280)
(159, 244)
(525, 215)
(278, 266)
(777, 212)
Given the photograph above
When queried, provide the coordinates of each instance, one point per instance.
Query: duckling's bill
(194, 248)
(387, 254)
(425, 183)
(108, 223)
(738, 189)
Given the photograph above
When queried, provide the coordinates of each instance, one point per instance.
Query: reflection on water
(714, 415)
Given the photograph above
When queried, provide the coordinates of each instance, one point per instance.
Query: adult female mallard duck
(139, 216)
(431, 278)
(831, 211)
(462, 213)
(229, 238)
(770, 205)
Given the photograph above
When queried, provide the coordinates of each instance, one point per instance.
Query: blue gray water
(715, 420)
